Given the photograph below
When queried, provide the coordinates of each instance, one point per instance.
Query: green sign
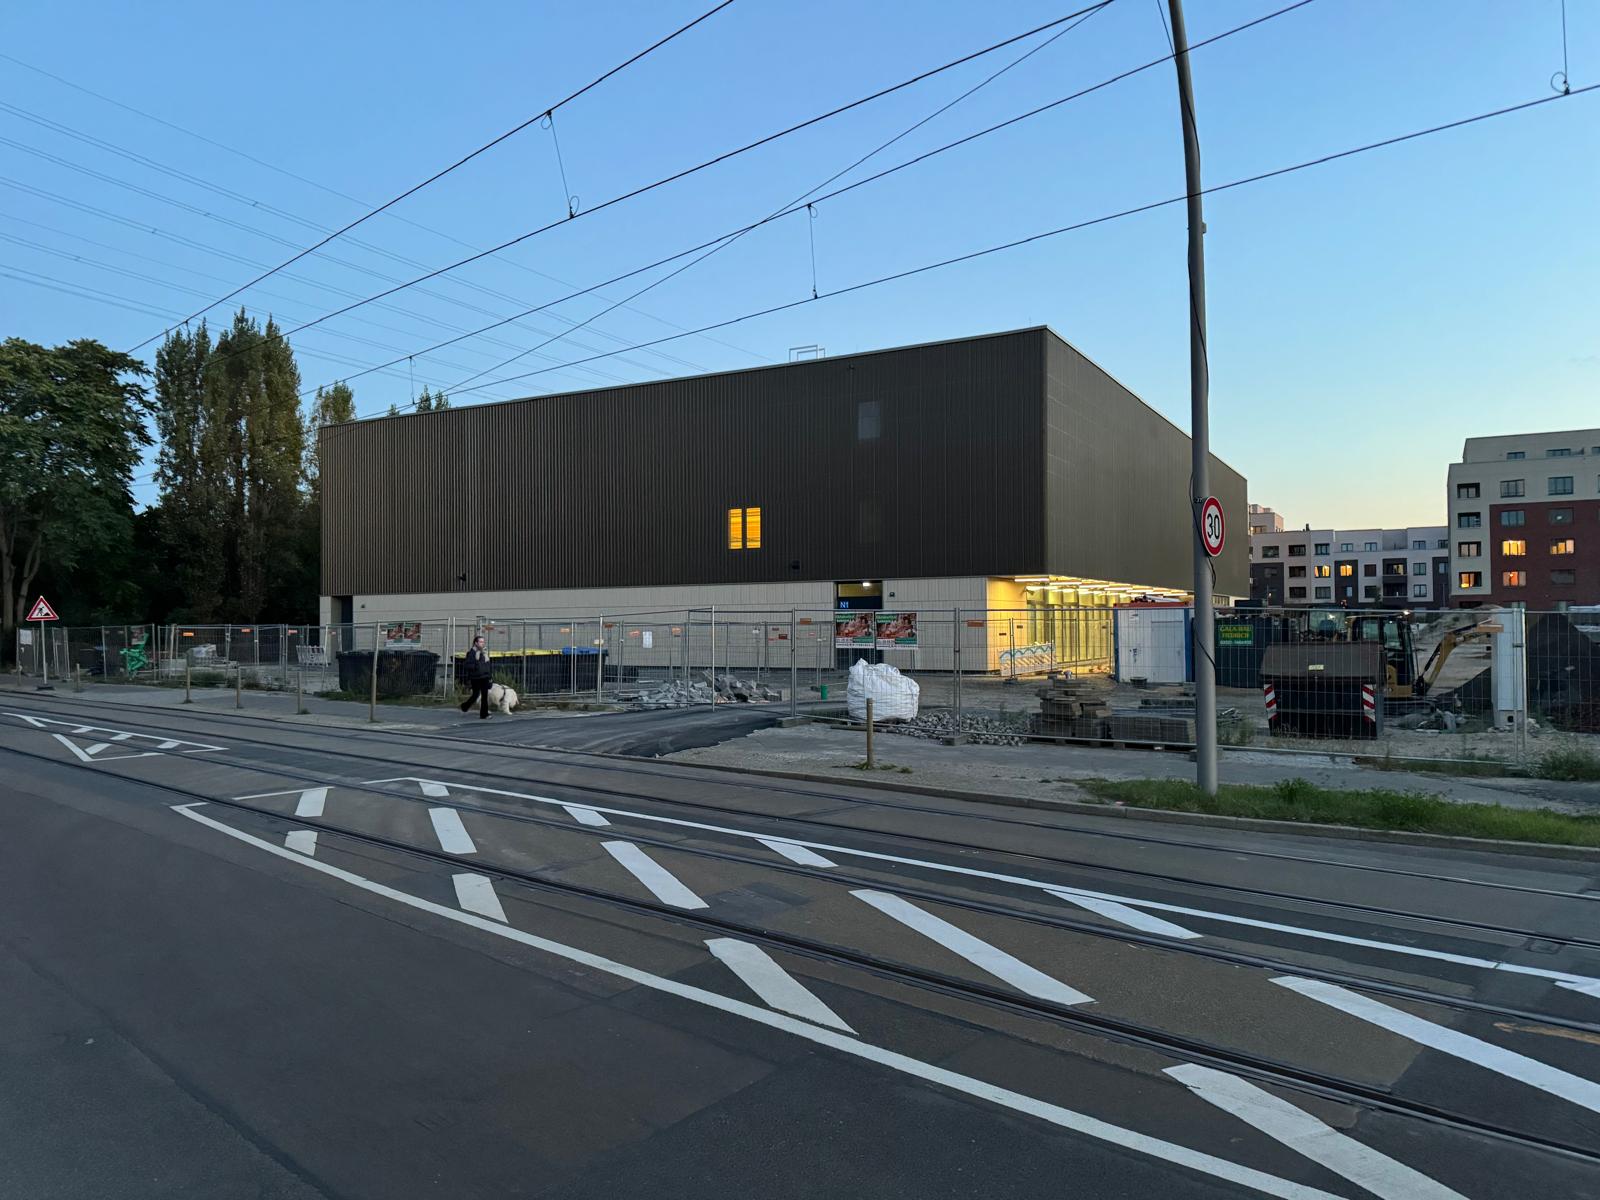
(1236, 635)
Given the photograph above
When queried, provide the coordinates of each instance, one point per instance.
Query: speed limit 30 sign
(1212, 527)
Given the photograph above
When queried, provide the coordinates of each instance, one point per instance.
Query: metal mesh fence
(1495, 685)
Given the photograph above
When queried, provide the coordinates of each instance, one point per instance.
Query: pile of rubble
(727, 689)
(999, 730)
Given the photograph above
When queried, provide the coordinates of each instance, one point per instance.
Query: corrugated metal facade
(1117, 478)
(631, 485)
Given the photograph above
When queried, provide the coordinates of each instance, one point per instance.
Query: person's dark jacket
(478, 667)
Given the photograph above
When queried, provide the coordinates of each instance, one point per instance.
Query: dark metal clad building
(986, 458)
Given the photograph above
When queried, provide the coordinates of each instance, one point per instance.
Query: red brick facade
(1539, 535)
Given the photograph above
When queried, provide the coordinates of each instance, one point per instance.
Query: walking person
(480, 675)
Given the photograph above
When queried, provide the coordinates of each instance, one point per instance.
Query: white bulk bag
(894, 696)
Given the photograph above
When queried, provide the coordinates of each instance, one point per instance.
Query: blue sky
(1365, 316)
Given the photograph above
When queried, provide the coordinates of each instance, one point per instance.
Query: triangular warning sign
(41, 611)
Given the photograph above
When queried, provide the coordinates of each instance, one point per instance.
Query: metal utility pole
(1203, 629)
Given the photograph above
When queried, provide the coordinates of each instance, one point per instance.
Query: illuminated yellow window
(1564, 546)
(1347, 569)
(744, 529)
(1514, 578)
(1513, 547)
(1322, 572)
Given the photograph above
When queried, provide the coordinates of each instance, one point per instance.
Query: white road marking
(1123, 914)
(1466, 960)
(452, 834)
(435, 789)
(117, 735)
(99, 746)
(653, 875)
(1304, 1134)
(584, 816)
(796, 853)
(121, 737)
(976, 951)
(302, 841)
(1448, 1041)
(966, 1085)
(776, 987)
(89, 756)
(311, 802)
(475, 893)
(1588, 989)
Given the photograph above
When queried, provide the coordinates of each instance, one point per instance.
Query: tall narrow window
(869, 420)
(1514, 547)
(736, 529)
(744, 529)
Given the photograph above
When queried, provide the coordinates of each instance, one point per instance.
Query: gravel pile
(984, 731)
(729, 689)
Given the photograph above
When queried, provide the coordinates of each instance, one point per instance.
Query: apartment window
(1297, 551)
(1419, 544)
(1513, 455)
(1324, 593)
(1346, 570)
(1371, 546)
(1564, 578)
(1563, 452)
(1297, 572)
(1513, 516)
(1470, 579)
(1466, 491)
(1513, 578)
(1419, 591)
(1513, 487)
(1468, 549)
(1561, 485)
(1419, 568)
(744, 529)
(1322, 547)
(1469, 520)
(869, 420)
(1394, 568)
(1322, 571)
(1560, 516)
(1444, 544)
(1513, 547)
(1564, 546)
(1297, 593)
(1269, 552)
(1370, 592)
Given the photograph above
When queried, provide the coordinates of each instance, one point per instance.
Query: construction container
(1324, 690)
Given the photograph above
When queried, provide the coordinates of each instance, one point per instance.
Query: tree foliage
(71, 432)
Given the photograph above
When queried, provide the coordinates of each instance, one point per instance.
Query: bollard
(300, 692)
(372, 700)
(870, 763)
(238, 685)
(77, 677)
(188, 662)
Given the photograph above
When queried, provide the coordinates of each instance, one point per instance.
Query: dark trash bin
(400, 672)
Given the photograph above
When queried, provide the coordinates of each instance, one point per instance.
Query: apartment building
(1352, 568)
(1525, 520)
(1264, 520)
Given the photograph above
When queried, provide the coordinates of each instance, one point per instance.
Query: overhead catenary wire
(440, 174)
(705, 164)
(732, 235)
(322, 187)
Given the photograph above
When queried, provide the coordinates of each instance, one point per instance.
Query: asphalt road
(249, 958)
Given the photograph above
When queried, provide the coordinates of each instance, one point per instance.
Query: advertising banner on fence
(854, 630)
(402, 634)
(896, 631)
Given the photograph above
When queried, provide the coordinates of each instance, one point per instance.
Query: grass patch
(1571, 764)
(1297, 800)
(863, 766)
(1468, 764)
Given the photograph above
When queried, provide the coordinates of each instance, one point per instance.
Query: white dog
(503, 698)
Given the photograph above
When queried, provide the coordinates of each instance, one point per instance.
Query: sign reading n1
(41, 611)
(1212, 527)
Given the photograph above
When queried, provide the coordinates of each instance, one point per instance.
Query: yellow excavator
(1393, 631)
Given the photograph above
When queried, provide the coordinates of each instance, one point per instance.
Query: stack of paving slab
(1073, 708)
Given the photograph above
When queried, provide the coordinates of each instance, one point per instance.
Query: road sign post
(42, 612)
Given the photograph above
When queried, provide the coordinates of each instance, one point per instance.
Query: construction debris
(727, 689)
(938, 724)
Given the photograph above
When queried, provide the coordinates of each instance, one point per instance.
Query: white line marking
(796, 853)
(1167, 1152)
(452, 834)
(653, 875)
(1487, 964)
(776, 987)
(475, 893)
(1588, 989)
(36, 722)
(122, 737)
(435, 789)
(1123, 914)
(71, 746)
(1304, 1134)
(86, 757)
(302, 841)
(976, 951)
(168, 744)
(99, 746)
(118, 735)
(1448, 1041)
(311, 802)
(584, 816)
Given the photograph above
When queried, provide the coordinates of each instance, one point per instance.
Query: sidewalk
(1048, 772)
